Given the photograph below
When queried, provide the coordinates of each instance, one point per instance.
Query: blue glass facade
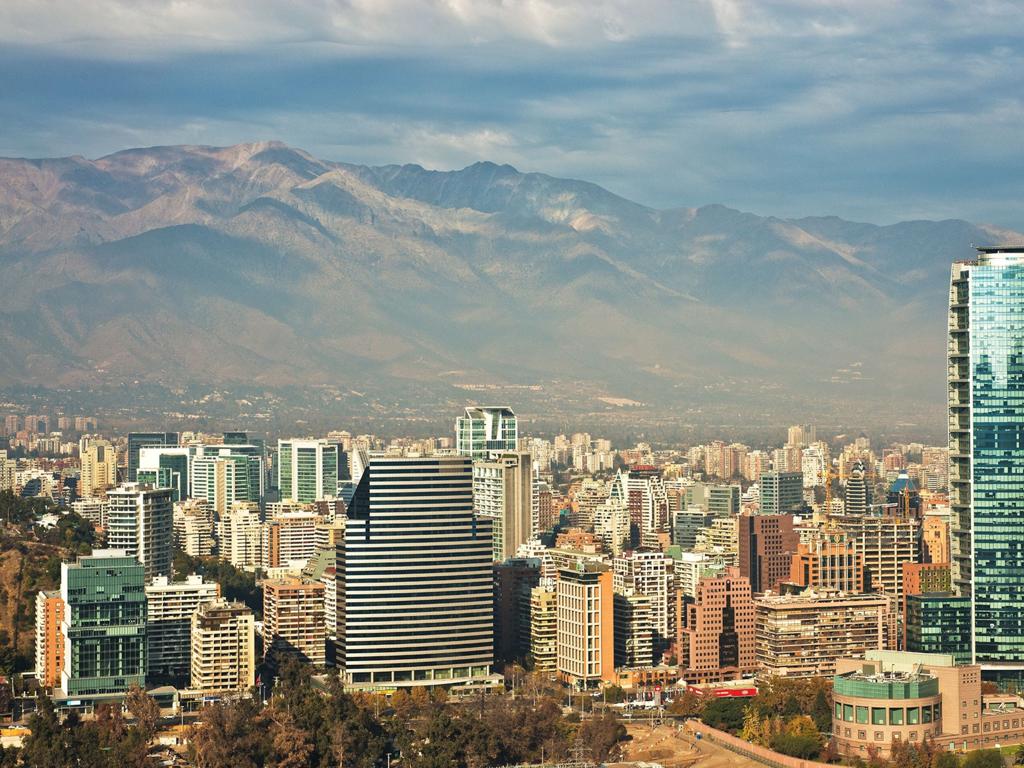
(986, 418)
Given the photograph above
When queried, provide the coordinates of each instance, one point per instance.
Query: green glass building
(939, 622)
(139, 440)
(986, 441)
(307, 470)
(104, 624)
(171, 470)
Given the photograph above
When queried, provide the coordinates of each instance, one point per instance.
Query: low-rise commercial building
(890, 697)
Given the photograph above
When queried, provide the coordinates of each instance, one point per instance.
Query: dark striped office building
(414, 578)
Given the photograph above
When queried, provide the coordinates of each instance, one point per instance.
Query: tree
(144, 710)
(984, 758)
(822, 712)
(687, 705)
(601, 735)
(291, 745)
(803, 746)
(44, 747)
(760, 729)
(946, 760)
(229, 736)
(725, 714)
(614, 694)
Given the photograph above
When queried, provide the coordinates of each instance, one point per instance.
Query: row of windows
(887, 715)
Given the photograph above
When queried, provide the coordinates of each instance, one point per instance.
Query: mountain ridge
(260, 263)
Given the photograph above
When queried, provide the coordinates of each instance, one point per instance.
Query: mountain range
(259, 264)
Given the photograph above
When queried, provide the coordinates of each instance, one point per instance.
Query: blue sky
(877, 111)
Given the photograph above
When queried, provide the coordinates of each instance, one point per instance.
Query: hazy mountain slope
(262, 264)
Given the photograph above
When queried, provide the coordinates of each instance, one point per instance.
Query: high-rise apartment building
(720, 539)
(291, 537)
(293, 620)
(307, 470)
(586, 625)
(223, 648)
(857, 496)
(415, 584)
(691, 567)
(642, 493)
(634, 635)
(240, 537)
(781, 492)
(94, 510)
(194, 529)
(513, 581)
(651, 574)
(686, 526)
(935, 538)
(717, 640)
(986, 417)
(139, 440)
(486, 430)
(766, 546)
(801, 435)
(104, 624)
(8, 468)
(99, 469)
(803, 635)
(544, 628)
(503, 491)
(49, 644)
(140, 520)
(169, 609)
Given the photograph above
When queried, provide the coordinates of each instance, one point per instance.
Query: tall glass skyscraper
(986, 442)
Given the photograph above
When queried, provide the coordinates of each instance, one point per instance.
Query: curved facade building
(874, 709)
(414, 576)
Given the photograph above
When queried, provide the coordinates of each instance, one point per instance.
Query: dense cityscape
(493, 596)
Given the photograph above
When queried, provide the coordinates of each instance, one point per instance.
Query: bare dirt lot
(671, 746)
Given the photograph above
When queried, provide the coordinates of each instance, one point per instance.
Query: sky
(871, 110)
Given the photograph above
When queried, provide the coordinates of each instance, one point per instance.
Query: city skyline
(507, 383)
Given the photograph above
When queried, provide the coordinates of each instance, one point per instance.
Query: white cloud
(142, 27)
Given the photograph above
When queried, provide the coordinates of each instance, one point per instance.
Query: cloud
(862, 108)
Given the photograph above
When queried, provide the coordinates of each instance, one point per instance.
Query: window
(862, 715)
(896, 716)
(926, 714)
(848, 713)
(878, 715)
(913, 715)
